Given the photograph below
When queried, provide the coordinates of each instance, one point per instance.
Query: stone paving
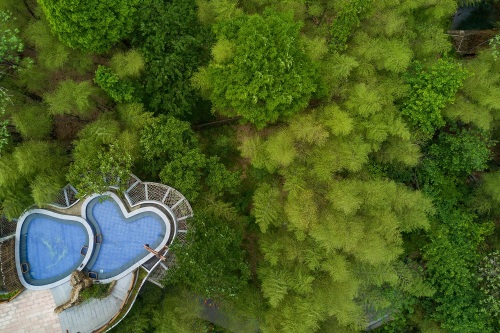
(31, 311)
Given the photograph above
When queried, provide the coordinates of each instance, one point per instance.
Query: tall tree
(171, 152)
(329, 232)
(70, 97)
(100, 158)
(259, 70)
(92, 26)
(11, 46)
(33, 173)
(431, 89)
(174, 44)
(33, 121)
(211, 263)
(10, 43)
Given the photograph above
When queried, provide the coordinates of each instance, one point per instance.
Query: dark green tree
(10, 43)
(111, 166)
(99, 158)
(119, 80)
(11, 46)
(171, 152)
(489, 284)
(119, 90)
(92, 26)
(4, 133)
(453, 157)
(452, 258)
(174, 45)
(431, 89)
(348, 18)
(211, 262)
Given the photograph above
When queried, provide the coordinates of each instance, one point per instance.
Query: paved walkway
(95, 313)
(32, 311)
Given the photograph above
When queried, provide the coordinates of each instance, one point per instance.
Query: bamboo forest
(341, 157)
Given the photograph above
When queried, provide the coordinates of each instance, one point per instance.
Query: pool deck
(33, 310)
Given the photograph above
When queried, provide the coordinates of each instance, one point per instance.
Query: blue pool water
(122, 239)
(52, 247)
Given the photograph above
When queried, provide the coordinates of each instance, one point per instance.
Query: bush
(96, 290)
(431, 89)
(118, 89)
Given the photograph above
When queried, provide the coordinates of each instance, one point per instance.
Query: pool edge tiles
(167, 219)
(25, 218)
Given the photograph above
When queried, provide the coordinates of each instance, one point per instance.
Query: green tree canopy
(33, 173)
(70, 97)
(174, 44)
(211, 262)
(4, 133)
(10, 47)
(452, 259)
(94, 174)
(259, 70)
(90, 25)
(10, 43)
(431, 89)
(172, 153)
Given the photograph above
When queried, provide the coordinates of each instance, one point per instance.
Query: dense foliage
(172, 153)
(259, 71)
(90, 25)
(212, 262)
(174, 44)
(430, 90)
(10, 47)
(357, 180)
(4, 133)
(10, 43)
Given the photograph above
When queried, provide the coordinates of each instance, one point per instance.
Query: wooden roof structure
(469, 42)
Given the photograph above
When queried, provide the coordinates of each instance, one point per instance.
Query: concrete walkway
(93, 314)
(31, 311)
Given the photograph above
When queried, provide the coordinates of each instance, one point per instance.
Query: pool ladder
(25, 267)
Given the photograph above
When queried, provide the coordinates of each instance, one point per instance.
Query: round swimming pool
(50, 247)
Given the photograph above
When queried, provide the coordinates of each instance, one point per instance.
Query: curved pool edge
(47, 212)
(155, 204)
(127, 214)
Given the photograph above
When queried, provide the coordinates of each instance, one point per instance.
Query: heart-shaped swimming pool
(106, 241)
(50, 246)
(123, 235)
